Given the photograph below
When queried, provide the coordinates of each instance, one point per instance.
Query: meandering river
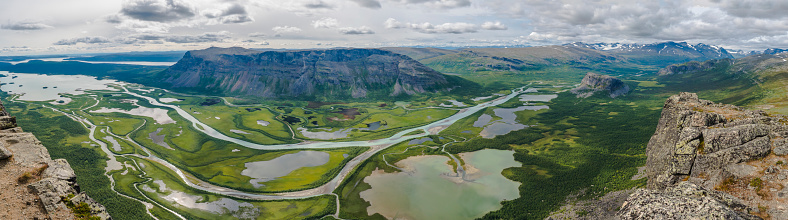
(375, 145)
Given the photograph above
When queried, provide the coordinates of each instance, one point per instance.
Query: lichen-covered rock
(7, 122)
(698, 139)
(60, 169)
(699, 146)
(780, 147)
(4, 152)
(96, 209)
(683, 201)
(51, 192)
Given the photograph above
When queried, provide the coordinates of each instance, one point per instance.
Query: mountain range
(658, 53)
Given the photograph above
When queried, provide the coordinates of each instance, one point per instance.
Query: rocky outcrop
(315, 74)
(696, 139)
(593, 82)
(684, 201)
(713, 161)
(52, 181)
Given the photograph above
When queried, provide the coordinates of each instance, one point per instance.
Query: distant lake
(32, 85)
(63, 59)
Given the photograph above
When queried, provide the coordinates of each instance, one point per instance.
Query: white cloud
(157, 10)
(439, 4)
(374, 4)
(25, 26)
(285, 29)
(144, 26)
(494, 26)
(356, 31)
(232, 14)
(85, 40)
(258, 34)
(392, 23)
(325, 23)
(299, 7)
(428, 28)
(208, 37)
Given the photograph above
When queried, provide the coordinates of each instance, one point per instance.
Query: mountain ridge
(331, 74)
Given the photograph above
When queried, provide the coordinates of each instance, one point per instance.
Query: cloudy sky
(74, 26)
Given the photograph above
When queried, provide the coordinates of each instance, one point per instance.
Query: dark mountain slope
(305, 74)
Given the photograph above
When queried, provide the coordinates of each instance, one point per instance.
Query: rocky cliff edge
(713, 161)
(33, 186)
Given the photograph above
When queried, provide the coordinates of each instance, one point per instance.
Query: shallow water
(263, 123)
(238, 131)
(453, 104)
(32, 85)
(325, 135)
(373, 126)
(419, 140)
(168, 100)
(425, 192)
(220, 206)
(262, 171)
(159, 139)
(483, 120)
(482, 98)
(158, 114)
(115, 144)
(508, 121)
(537, 98)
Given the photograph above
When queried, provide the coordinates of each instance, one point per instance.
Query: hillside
(337, 74)
(512, 67)
(420, 53)
(756, 81)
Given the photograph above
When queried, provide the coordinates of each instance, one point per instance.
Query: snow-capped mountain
(774, 51)
(664, 52)
(743, 53)
(664, 48)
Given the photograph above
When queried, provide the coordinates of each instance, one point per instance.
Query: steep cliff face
(334, 74)
(32, 185)
(593, 82)
(713, 158)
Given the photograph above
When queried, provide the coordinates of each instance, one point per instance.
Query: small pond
(327, 134)
(427, 190)
(263, 171)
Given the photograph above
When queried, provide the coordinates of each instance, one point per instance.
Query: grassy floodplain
(139, 127)
(572, 147)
